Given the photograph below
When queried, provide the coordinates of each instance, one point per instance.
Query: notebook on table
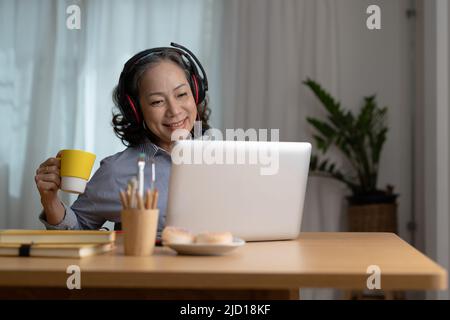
(56, 236)
(72, 250)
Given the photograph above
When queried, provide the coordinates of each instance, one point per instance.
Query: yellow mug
(76, 167)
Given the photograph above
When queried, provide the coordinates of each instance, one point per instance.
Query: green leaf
(323, 165)
(320, 143)
(324, 128)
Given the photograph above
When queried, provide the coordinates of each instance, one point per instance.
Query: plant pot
(376, 197)
(379, 217)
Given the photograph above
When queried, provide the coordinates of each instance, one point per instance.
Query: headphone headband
(190, 54)
(183, 51)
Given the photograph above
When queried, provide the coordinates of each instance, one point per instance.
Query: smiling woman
(160, 90)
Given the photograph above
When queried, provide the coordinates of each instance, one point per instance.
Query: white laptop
(253, 189)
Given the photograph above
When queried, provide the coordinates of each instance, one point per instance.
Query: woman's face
(166, 100)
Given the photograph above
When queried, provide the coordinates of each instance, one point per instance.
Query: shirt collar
(151, 149)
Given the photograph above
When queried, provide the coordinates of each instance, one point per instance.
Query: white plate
(205, 249)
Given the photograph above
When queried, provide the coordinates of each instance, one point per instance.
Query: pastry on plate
(214, 238)
(176, 235)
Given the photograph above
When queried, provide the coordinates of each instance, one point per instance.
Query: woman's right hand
(48, 179)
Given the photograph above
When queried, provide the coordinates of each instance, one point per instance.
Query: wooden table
(275, 269)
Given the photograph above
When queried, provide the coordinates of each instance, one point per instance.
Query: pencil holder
(139, 226)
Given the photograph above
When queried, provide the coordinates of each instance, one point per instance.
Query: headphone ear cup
(198, 89)
(134, 108)
(194, 88)
(201, 91)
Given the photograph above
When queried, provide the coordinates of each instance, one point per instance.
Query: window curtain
(56, 83)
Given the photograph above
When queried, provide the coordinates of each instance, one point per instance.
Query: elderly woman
(160, 90)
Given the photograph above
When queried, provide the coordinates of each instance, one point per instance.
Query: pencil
(150, 202)
(148, 199)
(134, 190)
(129, 188)
(128, 197)
(128, 194)
(123, 199)
(155, 199)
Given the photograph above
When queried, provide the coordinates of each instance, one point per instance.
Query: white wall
(379, 61)
(436, 133)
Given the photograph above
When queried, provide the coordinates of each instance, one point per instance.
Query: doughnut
(176, 235)
(214, 238)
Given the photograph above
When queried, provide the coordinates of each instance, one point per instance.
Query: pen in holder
(139, 214)
(139, 226)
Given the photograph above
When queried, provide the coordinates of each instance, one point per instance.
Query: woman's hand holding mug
(48, 181)
(69, 171)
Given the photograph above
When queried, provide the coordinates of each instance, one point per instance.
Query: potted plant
(360, 138)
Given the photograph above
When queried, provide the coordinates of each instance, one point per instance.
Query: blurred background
(56, 85)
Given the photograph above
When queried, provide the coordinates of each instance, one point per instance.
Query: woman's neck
(165, 146)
